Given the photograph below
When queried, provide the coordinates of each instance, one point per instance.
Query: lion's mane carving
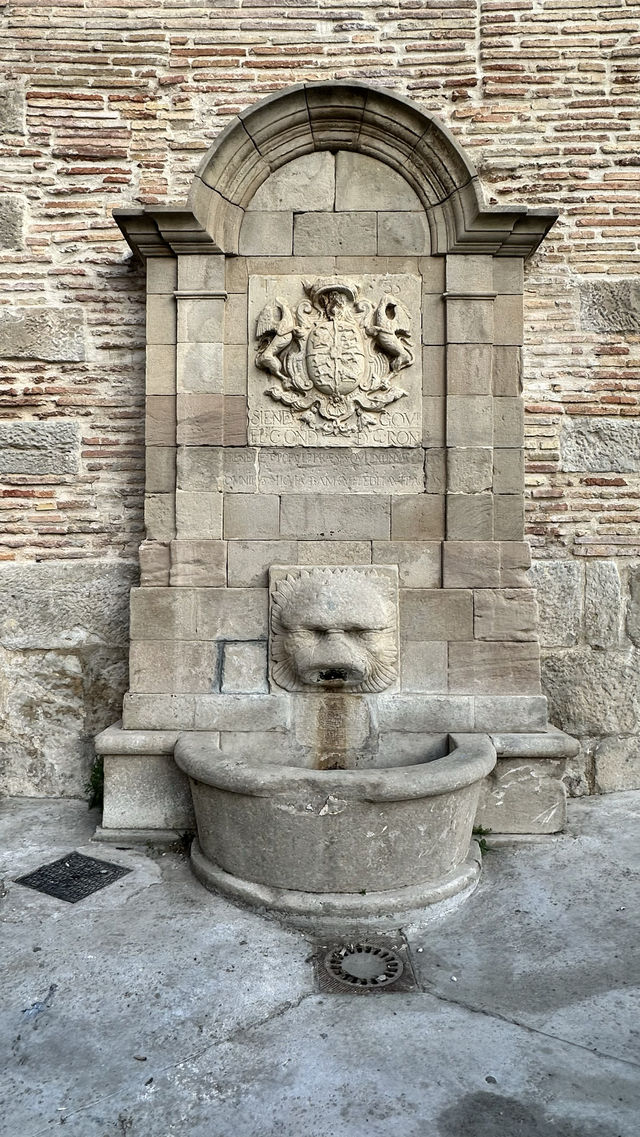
(334, 628)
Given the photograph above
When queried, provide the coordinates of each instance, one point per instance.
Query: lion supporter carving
(341, 359)
(334, 628)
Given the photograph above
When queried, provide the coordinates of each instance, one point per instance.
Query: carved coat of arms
(336, 356)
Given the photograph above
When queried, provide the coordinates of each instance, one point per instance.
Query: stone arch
(379, 123)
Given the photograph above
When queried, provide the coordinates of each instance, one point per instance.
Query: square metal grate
(73, 877)
(364, 965)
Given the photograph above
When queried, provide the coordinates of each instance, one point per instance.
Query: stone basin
(340, 843)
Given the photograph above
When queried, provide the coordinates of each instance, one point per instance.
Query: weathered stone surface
(305, 183)
(199, 564)
(39, 447)
(436, 614)
(251, 516)
(146, 791)
(358, 470)
(64, 605)
(471, 564)
(417, 517)
(241, 712)
(159, 516)
(559, 591)
(364, 328)
(52, 334)
(424, 666)
(600, 445)
(470, 420)
(494, 668)
(328, 553)
(12, 218)
(617, 764)
(244, 668)
(602, 604)
(249, 561)
(337, 516)
(216, 468)
(469, 369)
(593, 692)
(505, 614)
(12, 107)
(159, 712)
(231, 613)
(632, 624)
(155, 564)
(199, 515)
(418, 561)
(523, 797)
(403, 233)
(180, 666)
(469, 274)
(331, 723)
(469, 470)
(160, 469)
(169, 611)
(511, 713)
(345, 234)
(365, 183)
(417, 713)
(610, 306)
(469, 517)
(267, 233)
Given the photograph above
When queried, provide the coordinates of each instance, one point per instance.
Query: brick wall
(109, 105)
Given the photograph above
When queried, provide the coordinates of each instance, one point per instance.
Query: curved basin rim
(472, 758)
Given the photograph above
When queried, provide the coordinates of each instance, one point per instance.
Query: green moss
(94, 787)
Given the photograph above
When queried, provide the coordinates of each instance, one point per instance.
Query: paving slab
(154, 1008)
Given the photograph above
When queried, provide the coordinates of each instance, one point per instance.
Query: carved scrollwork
(335, 358)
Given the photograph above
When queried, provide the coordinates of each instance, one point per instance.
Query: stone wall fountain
(333, 646)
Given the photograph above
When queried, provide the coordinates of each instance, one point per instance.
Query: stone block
(155, 562)
(180, 667)
(201, 273)
(200, 419)
(610, 306)
(471, 564)
(632, 620)
(335, 516)
(244, 668)
(346, 234)
(470, 420)
(160, 420)
(469, 321)
(419, 562)
(424, 666)
(515, 559)
(559, 587)
(469, 273)
(231, 613)
(505, 614)
(364, 469)
(307, 182)
(160, 469)
(435, 470)
(433, 372)
(508, 422)
(242, 712)
(267, 233)
(12, 108)
(251, 516)
(248, 562)
(199, 368)
(235, 320)
(593, 693)
(508, 320)
(600, 445)
(55, 335)
(162, 614)
(506, 372)
(510, 712)
(433, 319)
(433, 422)
(432, 271)
(199, 563)
(13, 207)
(235, 369)
(523, 797)
(508, 275)
(39, 448)
(236, 274)
(64, 604)
(469, 469)
(617, 764)
(159, 516)
(403, 234)
(420, 713)
(508, 517)
(330, 723)
(436, 614)
(198, 515)
(508, 471)
(161, 319)
(200, 320)
(602, 604)
(145, 791)
(234, 428)
(158, 712)
(469, 517)
(417, 517)
(161, 369)
(469, 369)
(162, 275)
(329, 553)
(477, 668)
(365, 183)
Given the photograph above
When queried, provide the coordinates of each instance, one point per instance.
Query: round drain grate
(363, 965)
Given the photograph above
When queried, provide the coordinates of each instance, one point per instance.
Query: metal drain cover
(364, 966)
(73, 877)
